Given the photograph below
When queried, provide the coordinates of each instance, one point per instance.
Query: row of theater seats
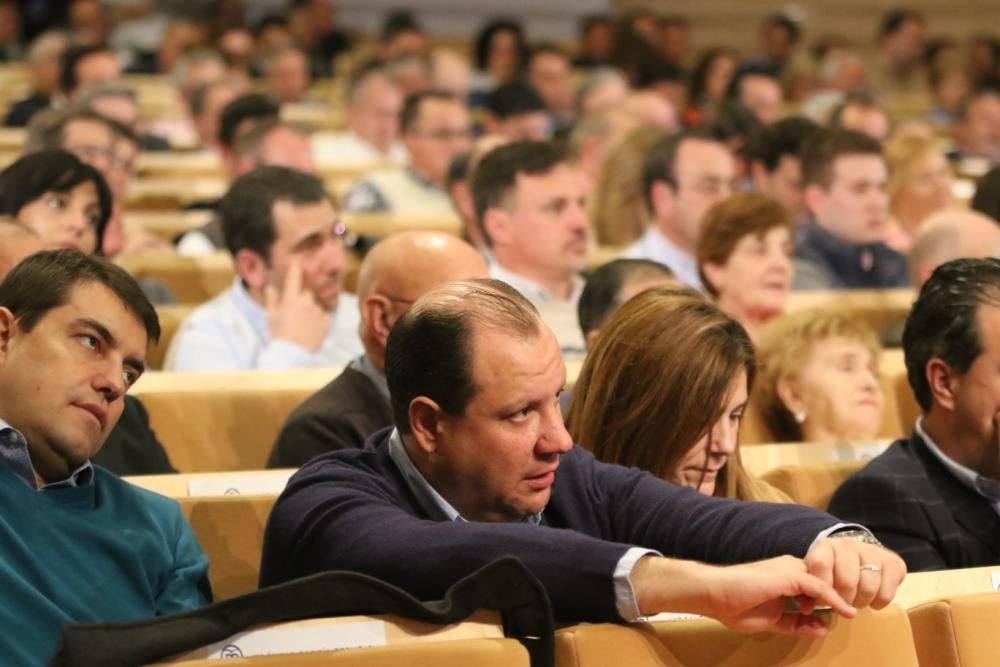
(202, 418)
(924, 628)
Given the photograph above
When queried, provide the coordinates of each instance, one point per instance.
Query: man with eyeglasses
(435, 127)
(683, 176)
(285, 308)
(344, 413)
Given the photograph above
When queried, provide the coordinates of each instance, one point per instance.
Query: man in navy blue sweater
(480, 466)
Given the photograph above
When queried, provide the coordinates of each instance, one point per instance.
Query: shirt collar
(15, 455)
(663, 250)
(366, 367)
(984, 486)
(430, 500)
(531, 290)
(422, 180)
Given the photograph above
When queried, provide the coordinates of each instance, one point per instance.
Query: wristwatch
(857, 535)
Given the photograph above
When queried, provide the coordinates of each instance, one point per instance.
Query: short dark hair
(822, 148)
(247, 209)
(546, 48)
(894, 19)
(659, 165)
(859, 98)
(430, 348)
(783, 138)
(72, 57)
(44, 280)
(396, 23)
(31, 176)
(245, 107)
(515, 98)
(411, 106)
(943, 323)
(497, 172)
(591, 21)
(601, 295)
(360, 76)
(47, 129)
(481, 49)
(786, 24)
(269, 21)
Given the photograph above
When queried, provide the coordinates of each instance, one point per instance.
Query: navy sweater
(352, 510)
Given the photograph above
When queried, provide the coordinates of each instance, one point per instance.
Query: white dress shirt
(348, 149)
(559, 314)
(984, 486)
(657, 247)
(230, 332)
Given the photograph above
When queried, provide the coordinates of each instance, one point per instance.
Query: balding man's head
(401, 269)
(430, 350)
(951, 234)
(16, 243)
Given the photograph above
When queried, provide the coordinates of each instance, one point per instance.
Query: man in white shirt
(372, 113)
(531, 208)
(435, 128)
(683, 176)
(285, 308)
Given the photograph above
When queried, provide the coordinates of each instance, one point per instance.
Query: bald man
(394, 274)
(16, 243)
(951, 234)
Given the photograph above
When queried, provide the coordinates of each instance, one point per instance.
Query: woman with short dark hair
(62, 199)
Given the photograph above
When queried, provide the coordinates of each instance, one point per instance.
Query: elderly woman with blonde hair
(664, 389)
(819, 378)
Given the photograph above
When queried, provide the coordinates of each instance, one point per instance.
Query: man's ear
(758, 175)
(497, 224)
(814, 196)
(663, 198)
(375, 315)
(942, 382)
(425, 423)
(252, 268)
(8, 329)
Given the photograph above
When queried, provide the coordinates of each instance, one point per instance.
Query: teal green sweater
(108, 551)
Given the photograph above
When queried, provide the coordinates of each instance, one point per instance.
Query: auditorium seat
(170, 320)
(214, 422)
(457, 653)
(193, 280)
(872, 638)
(958, 631)
(812, 485)
(922, 587)
(760, 459)
(230, 530)
(878, 308)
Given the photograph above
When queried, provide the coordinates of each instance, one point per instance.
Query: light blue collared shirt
(984, 486)
(231, 333)
(657, 247)
(15, 455)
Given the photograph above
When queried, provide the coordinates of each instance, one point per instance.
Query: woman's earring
(800, 416)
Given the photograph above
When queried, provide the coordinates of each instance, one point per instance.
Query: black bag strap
(505, 586)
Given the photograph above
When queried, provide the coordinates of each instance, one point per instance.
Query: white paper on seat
(264, 484)
(301, 637)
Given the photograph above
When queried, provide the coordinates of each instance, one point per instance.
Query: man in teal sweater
(76, 542)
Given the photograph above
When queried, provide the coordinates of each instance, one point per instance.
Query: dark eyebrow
(137, 364)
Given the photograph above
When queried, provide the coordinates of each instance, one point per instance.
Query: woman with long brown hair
(664, 389)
